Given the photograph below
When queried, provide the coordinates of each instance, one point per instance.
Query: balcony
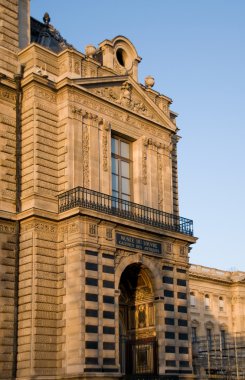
(106, 204)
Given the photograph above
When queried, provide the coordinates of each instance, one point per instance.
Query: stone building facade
(217, 301)
(217, 308)
(94, 255)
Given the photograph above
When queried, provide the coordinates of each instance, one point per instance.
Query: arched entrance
(138, 345)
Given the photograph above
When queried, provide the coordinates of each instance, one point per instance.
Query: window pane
(124, 149)
(194, 334)
(126, 197)
(125, 186)
(114, 164)
(114, 182)
(125, 169)
(114, 145)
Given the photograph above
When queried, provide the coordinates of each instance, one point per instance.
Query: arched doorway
(138, 345)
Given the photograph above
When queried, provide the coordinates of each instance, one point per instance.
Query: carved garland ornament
(85, 155)
(105, 129)
(144, 161)
(160, 180)
(7, 228)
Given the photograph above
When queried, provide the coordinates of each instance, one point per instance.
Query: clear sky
(195, 50)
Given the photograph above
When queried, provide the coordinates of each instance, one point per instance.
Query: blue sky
(195, 50)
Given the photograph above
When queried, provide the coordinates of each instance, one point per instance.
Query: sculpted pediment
(126, 93)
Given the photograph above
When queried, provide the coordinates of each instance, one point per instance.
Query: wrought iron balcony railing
(82, 197)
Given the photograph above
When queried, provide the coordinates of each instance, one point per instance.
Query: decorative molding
(77, 67)
(144, 161)
(92, 229)
(182, 251)
(7, 228)
(121, 254)
(156, 144)
(109, 233)
(46, 95)
(7, 95)
(160, 180)
(85, 155)
(168, 247)
(39, 226)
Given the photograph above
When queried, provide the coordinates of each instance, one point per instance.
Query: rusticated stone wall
(39, 149)
(9, 36)
(7, 146)
(7, 284)
(40, 300)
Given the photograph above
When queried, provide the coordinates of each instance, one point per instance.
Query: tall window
(207, 301)
(192, 299)
(221, 304)
(223, 339)
(194, 334)
(120, 162)
(209, 337)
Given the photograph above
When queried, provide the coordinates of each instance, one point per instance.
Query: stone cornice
(119, 221)
(196, 276)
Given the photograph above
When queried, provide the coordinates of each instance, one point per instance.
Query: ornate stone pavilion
(94, 255)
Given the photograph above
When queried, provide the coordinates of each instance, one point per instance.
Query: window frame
(192, 299)
(120, 159)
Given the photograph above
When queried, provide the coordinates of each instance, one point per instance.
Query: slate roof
(43, 33)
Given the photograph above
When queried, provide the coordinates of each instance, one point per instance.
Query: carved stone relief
(182, 251)
(93, 229)
(126, 98)
(118, 115)
(46, 95)
(7, 228)
(109, 234)
(7, 95)
(168, 247)
(121, 254)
